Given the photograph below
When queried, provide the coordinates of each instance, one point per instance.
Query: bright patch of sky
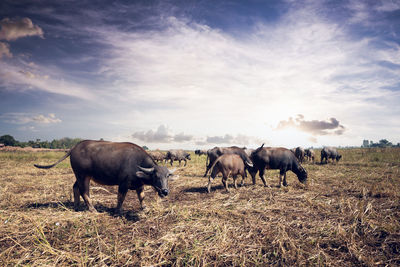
(195, 74)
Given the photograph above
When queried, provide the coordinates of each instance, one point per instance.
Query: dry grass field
(348, 214)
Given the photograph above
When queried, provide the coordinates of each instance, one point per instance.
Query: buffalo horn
(146, 170)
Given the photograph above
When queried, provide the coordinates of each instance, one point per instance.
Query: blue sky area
(195, 74)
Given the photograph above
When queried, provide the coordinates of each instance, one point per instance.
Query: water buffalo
(227, 164)
(299, 153)
(276, 158)
(310, 154)
(177, 155)
(157, 155)
(330, 153)
(200, 152)
(214, 153)
(124, 164)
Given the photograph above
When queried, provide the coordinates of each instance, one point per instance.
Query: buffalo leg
(83, 185)
(225, 183)
(77, 195)
(122, 190)
(210, 179)
(140, 194)
(284, 180)
(185, 163)
(243, 176)
(179, 163)
(261, 173)
(205, 174)
(235, 181)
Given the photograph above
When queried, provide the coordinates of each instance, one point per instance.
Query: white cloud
(13, 29)
(5, 50)
(24, 118)
(161, 135)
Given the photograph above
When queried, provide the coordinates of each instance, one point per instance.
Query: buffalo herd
(131, 168)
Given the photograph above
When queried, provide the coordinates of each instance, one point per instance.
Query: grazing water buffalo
(177, 155)
(124, 164)
(276, 158)
(227, 164)
(299, 153)
(214, 153)
(200, 152)
(310, 154)
(330, 153)
(157, 155)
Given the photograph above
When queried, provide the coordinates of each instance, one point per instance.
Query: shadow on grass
(69, 205)
(202, 189)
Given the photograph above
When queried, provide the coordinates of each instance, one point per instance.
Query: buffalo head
(302, 175)
(156, 176)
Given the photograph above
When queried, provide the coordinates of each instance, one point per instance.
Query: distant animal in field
(276, 158)
(330, 153)
(157, 155)
(310, 154)
(214, 153)
(177, 155)
(227, 164)
(124, 164)
(200, 152)
(299, 153)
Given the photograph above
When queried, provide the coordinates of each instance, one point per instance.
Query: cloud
(315, 127)
(24, 118)
(239, 139)
(13, 29)
(5, 50)
(161, 135)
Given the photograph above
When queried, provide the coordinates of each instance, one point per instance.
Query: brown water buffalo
(227, 164)
(276, 158)
(214, 153)
(299, 153)
(124, 164)
(330, 153)
(177, 155)
(157, 155)
(310, 154)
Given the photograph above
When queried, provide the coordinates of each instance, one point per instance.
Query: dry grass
(348, 214)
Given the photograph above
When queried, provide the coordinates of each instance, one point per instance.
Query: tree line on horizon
(67, 142)
(63, 143)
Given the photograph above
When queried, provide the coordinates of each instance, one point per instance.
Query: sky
(198, 74)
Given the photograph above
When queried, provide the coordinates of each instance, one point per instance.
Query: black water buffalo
(200, 152)
(157, 155)
(177, 155)
(276, 158)
(330, 153)
(299, 153)
(124, 164)
(214, 153)
(310, 154)
(227, 164)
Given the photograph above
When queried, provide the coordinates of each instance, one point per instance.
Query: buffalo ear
(141, 175)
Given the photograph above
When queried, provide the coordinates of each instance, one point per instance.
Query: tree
(8, 140)
(384, 143)
(145, 147)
